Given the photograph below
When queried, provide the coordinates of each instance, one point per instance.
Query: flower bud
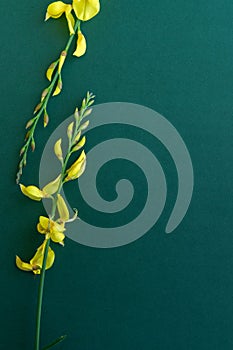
(33, 145)
(38, 107)
(58, 87)
(58, 149)
(70, 130)
(44, 94)
(84, 125)
(62, 60)
(29, 123)
(46, 119)
(50, 70)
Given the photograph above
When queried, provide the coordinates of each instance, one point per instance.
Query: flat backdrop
(163, 292)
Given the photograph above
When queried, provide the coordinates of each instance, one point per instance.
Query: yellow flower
(56, 10)
(51, 229)
(86, 9)
(77, 169)
(81, 45)
(35, 264)
(33, 192)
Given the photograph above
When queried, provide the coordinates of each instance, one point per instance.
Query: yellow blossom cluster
(54, 229)
(84, 10)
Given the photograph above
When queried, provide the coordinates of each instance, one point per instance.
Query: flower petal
(62, 208)
(50, 70)
(62, 60)
(70, 20)
(57, 236)
(44, 222)
(77, 169)
(58, 87)
(86, 9)
(56, 9)
(32, 192)
(37, 261)
(52, 186)
(22, 265)
(81, 45)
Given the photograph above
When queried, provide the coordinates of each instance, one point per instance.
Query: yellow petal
(70, 20)
(41, 229)
(22, 265)
(81, 45)
(86, 9)
(58, 149)
(32, 192)
(37, 261)
(50, 70)
(58, 87)
(44, 222)
(56, 9)
(70, 130)
(58, 227)
(52, 186)
(57, 236)
(77, 169)
(80, 144)
(62, 208)
(61, 60)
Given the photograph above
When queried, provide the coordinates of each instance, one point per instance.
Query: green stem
(53, 212)
(43, 107)
(40, 297)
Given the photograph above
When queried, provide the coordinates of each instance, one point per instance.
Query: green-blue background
(163, 292)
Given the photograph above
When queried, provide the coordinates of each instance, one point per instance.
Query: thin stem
(40, 296)
(42, 108)
(78, 121)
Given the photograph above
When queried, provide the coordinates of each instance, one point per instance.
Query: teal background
(163, 292)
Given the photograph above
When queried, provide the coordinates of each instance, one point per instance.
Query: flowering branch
(53, 228)
(82, 11)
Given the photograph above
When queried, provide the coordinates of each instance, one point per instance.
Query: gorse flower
(76, 12)
(84, 10)
(33, 192)
(56, 9)
(35, 264)
(51, 229)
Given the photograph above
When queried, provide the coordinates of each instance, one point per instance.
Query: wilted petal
(62, 208)
(32, 192)
(81, 45)
(37, 261)
(86, 9)
(52, 186)
(58, 149)
(22, 265)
